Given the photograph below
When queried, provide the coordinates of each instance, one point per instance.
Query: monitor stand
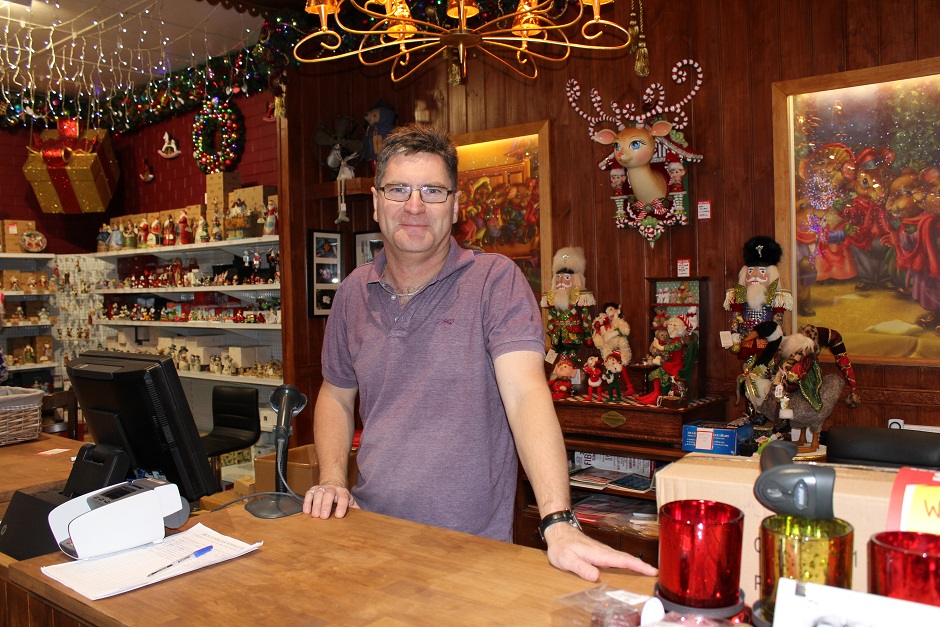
(274, 506)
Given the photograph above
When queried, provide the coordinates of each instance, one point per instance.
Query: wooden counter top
(363, 569)
(22, 468)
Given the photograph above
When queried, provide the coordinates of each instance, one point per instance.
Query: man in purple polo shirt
(444, 347)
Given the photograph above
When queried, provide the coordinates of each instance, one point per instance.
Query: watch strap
(565, 515)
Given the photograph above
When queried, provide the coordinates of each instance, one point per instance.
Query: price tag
(683, 267)
(704, 210)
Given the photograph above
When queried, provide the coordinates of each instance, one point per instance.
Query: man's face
(756, 275)
(413, 226)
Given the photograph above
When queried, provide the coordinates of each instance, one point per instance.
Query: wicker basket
(20, 414)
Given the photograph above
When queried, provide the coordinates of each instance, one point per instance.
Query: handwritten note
(106, 576)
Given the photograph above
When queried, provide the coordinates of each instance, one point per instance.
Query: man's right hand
(319, 500)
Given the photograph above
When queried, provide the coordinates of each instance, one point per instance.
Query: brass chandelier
(524, 36)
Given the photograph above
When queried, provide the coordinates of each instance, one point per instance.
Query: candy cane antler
(653, 100)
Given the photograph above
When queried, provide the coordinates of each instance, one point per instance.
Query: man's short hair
(416, 139)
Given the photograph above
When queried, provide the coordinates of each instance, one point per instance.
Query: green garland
(225, 120)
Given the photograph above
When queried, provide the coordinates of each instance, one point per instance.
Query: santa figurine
(757, 297)
(185, 235)
(560, 381)
(669, 374)
(592, 372)
(169, 232)
(569, 322)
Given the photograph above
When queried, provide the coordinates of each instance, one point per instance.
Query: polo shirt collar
(457, 258)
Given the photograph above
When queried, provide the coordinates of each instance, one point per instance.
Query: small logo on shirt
(445, 321)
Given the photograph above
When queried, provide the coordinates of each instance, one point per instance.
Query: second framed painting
(324, 270)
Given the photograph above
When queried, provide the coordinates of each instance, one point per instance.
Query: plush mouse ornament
(800, 392)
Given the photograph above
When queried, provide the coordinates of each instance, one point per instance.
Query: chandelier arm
(599, 23)
(529, 51)
(401, 52)
(535, 70)
(385, 44)
(395, 78)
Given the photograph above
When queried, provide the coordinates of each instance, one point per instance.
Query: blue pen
(201, 551)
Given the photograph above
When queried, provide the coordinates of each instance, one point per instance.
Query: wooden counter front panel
(634, 422)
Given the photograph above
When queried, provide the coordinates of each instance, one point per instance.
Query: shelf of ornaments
(41, 366)
(199, 324)
(28, 256)
(231, 246)
(252, 290)
(25, 294)
(239, 379)
(26, 325)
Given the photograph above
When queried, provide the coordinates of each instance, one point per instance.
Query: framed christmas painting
(857, 197)
(503, 184)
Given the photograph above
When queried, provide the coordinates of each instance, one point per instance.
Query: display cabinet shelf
(228, 326)
(232, 246)
(249, 291)
(223, 378)
(42, 366)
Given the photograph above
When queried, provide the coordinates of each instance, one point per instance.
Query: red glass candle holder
(700, 553)
(815, 551)
(905, 565)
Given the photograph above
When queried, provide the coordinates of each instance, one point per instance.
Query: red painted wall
(177, 182)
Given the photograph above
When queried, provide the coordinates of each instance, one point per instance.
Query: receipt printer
(117, 518)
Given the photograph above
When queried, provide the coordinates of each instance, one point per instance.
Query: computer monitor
(135, 403)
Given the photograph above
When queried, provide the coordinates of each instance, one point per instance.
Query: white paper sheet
(106, 576)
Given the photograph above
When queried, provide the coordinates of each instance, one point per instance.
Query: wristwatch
(556, 517)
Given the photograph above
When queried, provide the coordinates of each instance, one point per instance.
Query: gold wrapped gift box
(72, 171)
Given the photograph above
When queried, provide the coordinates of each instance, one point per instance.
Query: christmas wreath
(219, 136)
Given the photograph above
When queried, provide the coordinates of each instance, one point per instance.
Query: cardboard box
(12, 230)
(218, 186)
(243, 486)
(302, 470)
(218, 499)
(255, 197)
(861, 498)
(10, 279)
(705, 436)
(247, 356)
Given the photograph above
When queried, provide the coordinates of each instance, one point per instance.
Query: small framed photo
(324, 270)
(367, 246)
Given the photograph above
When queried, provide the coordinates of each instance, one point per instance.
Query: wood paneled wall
(743, 46)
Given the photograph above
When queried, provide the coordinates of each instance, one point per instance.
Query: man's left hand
(569, 549)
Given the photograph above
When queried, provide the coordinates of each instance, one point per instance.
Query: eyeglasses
(429, 193)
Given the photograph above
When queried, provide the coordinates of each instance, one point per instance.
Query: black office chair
(236, 423)
(878, 446)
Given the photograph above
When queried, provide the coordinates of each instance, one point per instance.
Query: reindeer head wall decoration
(649, 148)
